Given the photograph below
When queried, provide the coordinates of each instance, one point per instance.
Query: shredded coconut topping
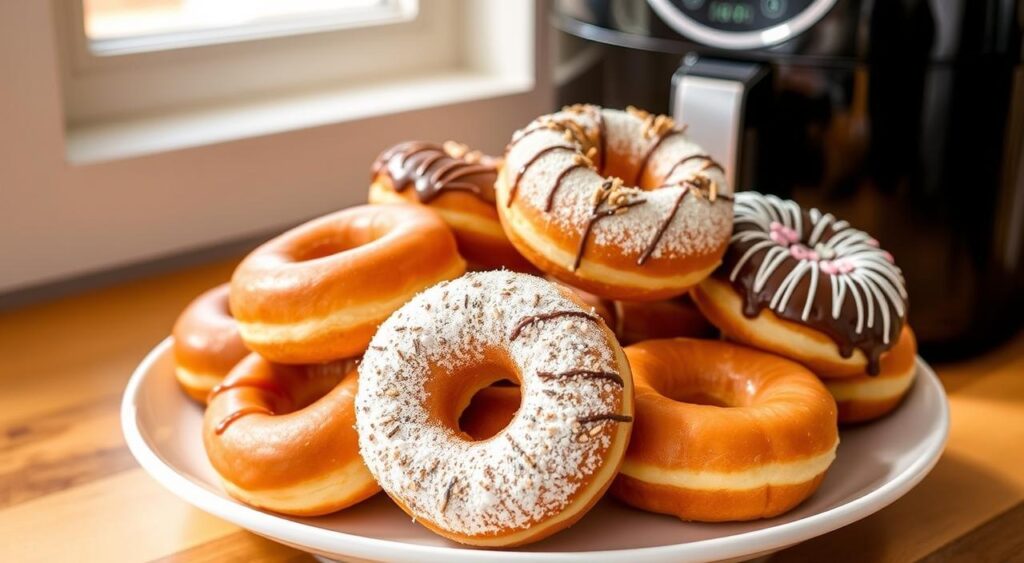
(533, 469)
(699, 225)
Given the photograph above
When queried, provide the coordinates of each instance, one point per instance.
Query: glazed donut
(206, 343)
(564, 205)
(807, 286)
(317, 292)
(605, 308)
(281, 437)
(866, 397)
(724, 432)
(636, 321)
(561, 450)
(457, 183)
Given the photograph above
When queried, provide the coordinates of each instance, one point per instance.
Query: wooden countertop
(70, 489)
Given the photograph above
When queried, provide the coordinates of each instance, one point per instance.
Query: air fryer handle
(710, 97)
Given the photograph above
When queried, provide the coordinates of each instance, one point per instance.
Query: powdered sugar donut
(561, 449)
(621, 204)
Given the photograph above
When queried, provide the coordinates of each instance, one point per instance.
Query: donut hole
(335, 239)
(618, 166)
(712, 392)
(650, 182)
(625, 167)
(490, 411)
(322, 248)
(465, 399)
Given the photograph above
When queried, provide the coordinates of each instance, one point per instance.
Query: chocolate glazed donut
(819, 290)
(457, 183)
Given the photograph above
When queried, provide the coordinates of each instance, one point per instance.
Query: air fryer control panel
(741, 15)
(740, 24)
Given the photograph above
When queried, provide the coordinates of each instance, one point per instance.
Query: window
(117, 158)
(145, 57)
(141, 76)
(130, 26)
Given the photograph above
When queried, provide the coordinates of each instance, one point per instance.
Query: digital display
(741, 15)
(730, 12)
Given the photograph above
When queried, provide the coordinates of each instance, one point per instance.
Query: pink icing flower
(833, 267)
(801, 252)
(782, 234)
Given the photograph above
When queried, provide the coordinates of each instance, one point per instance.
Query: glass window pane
(120, 19)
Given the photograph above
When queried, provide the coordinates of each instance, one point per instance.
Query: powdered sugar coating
(532, 469)
(698, 225)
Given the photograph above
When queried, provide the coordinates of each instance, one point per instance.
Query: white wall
(59, 220)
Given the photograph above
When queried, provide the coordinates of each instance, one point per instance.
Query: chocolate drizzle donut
(458, 184)
(810, 268)
(565, 206)
(431, 169)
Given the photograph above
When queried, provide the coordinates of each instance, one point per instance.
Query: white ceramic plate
(876, 464)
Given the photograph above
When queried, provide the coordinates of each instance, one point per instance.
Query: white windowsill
(127, 138)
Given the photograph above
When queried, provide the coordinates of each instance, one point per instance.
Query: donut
(724, 432)
(281, 437)
(456, 182)
(560, 451)
(318, 292)
(636, 321)
(605, 308)
(807, 286)
(865, 397)
(621, 204)
(206, 343)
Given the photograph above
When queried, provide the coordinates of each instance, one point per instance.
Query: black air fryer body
(905, 117)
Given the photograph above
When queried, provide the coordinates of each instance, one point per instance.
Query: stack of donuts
(627, 325)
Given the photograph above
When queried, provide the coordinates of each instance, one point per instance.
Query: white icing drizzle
(810, 292)
(775, 257)
(849, 259)
(533, 468)
(820, 222)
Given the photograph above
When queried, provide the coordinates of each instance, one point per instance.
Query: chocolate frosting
(431, 170)
(810, 268)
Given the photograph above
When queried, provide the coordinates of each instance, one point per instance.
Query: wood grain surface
(69, 489)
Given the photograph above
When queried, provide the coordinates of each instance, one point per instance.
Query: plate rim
(313, 538)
